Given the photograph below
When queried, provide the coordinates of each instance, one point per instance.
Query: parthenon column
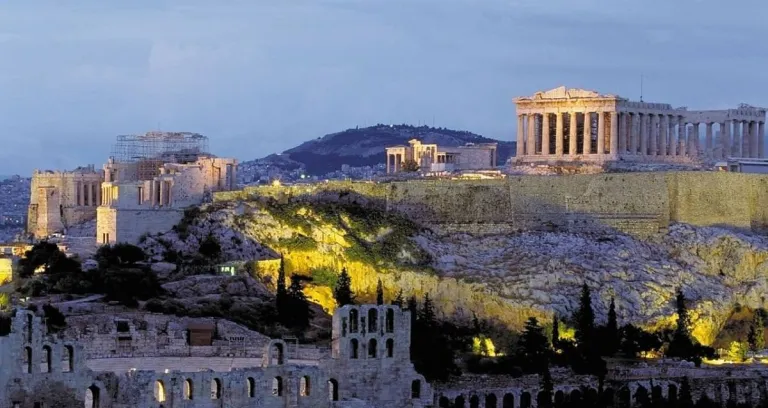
(601, 133)
(545, 134)
(726, 136)
(752, 125)
(663, 134)
(572, 135)
(695, 140)
(745, 139)
(761, 140)
(708, 141)
(622, 132)
(681, 136)
(520, 138)
(614, 145)
(633, 128)
(672, 137)
(654, 135)
(89, 192)
(531, 145)
(736, 146)
(559, 134)
(643, 134)
(587, 139)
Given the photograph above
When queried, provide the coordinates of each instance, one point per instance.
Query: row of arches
(373, 320)
(574, 397)
(46, 360)
(372, 350)
(249, 388)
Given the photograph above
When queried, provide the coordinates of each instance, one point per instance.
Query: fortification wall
(117, 225)
(639, 203)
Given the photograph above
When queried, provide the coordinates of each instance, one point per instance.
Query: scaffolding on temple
(151, 150)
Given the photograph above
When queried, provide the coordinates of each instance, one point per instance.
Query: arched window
(444, 402)
(333, 390)
(474, 402)
(159, 391)
(189, 389)
(68, 359)
(353, 321)
(27, 360)
(459, 402)
(45, 363)
(278, 351)
(390, 348)
(490, 401)
(373, 318)
(215, 388)
(415, 389)
(92, 397)
(390, 321)
(30, 319)
(277, 386)
(525, 400)
(372, 348)
(508, 401)
(353, 346)
(250, 387)
(304, 386)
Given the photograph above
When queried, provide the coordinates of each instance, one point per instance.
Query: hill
(365, 146)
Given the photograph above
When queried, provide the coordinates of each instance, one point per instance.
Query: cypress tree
(533, 347)
(585, 321)
(555, 332)
(683, 321)
(379, 293)
(685, 399)
(756, 336)
(612, 330)
(298, 311)
(428, 311)
(544, 399)
(281, 294)
(398, 301)
(343, 291)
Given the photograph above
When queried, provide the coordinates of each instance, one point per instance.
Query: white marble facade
(551, 127)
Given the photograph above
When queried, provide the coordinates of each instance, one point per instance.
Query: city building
(60, 199)
(431, 158)
(565, 124)
(151, 178)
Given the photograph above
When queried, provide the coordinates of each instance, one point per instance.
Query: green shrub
(324, 277)
(298, 242)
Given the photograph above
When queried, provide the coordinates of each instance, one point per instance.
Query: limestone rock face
(207, 285)
(511, 277)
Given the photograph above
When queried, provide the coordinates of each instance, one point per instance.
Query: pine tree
(555, 332)
(398, 301)
(343, 291)
(413, 307)
(585, 321)
(428, 312)
(683, 321)
(298, 312)
(682, 345)
(533, 346)
(612, 330)
(756, 336)
(379, 293)
(281, 294)
(544, 399)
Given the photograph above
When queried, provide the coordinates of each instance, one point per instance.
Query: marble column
(559, 135)
(531, 145)
(725, 131)
(614, 145)
(681, 136)
(672, 138)
(643, 134)
(587, 137)
(98, 194)
(622, 133)
(663, 134)
(653, 145)
(736, 146)
(545, 134)
(91, 198)
(695, 141)
(601, 133)
(634, 127)
(520, 138)
(708, 141)
(761, 140)
(572, 135)
(753, 139)
(745, 139)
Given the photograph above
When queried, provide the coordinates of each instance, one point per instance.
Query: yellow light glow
(484, 346)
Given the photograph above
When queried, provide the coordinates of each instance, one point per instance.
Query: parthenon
(593, 127)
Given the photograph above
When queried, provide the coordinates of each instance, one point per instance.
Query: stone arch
(250, 387)
(508, 401)
(641, 396)
(390, 320)
(354, 348)
(575, 398)
(590, 396)
(525, 400)
(625, 397)
(606, 398)
(305, 386)
(415, 389)
(372, 346)
(189, 389)
(93, 397)
(559, 398)
(30, 325)
(490, 400)
(276, 352)
(159, 391)
(390, 345)
(672, 394)
(277, 386)
(459, 402)
(68, 359)
(333, 389)
(443, 402)
(45, 363)
(27, 360)
(657, 395)
(215, 388)
(542, 397)
(474, 401)
(373, 320)
(354, 320)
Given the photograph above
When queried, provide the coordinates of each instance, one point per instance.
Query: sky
(261, 76)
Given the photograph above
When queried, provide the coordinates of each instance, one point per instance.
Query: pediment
(566, 93)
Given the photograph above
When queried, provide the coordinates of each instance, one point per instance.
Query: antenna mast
(641, 87)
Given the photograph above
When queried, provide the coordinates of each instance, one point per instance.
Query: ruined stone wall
(638, 203)
(62, 199)
(116, 225)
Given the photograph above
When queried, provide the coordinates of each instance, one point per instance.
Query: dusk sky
(261, 76)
